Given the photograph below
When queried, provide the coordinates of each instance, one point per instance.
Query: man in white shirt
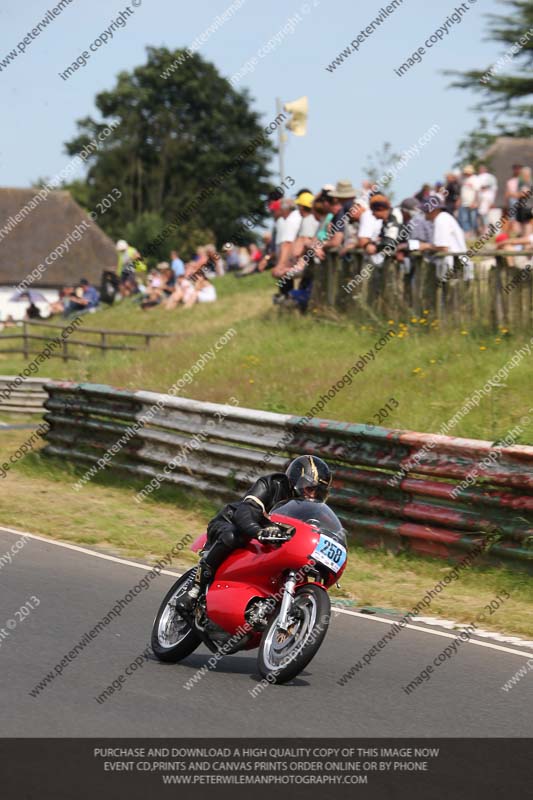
(286, 235)
(448, 236)
(369, 228)
(488, 189)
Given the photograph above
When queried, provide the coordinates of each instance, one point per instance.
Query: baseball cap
(305, 199)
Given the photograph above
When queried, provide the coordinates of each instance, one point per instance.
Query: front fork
(286, 601)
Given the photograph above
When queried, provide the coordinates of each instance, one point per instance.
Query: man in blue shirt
(84, 300)
(176, 264)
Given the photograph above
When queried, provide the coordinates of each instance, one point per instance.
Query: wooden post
(103, 342)
(25, 343)
(147, 339)
(65, 350)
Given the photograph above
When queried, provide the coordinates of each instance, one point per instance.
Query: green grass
(283, 362)
(37, 496)
(280, 361)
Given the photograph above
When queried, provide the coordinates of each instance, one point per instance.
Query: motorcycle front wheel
(283, 654)
(173, 639)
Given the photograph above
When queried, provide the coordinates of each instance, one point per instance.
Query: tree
(503, 90)
(183, 133)
(381, 168)
(470, 149)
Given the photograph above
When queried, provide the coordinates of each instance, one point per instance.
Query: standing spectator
(339, 206)
(448, 236)
(176, 264)
(287, 234)
(415, 229)
(308, 226)
(424, 193)
(391, 223)
(511, 197)
(267, 252)
(525, 201)
(452, 193)
(488, 189)
(469, 200)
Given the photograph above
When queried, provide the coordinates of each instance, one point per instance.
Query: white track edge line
(370, 617)
(94, 553)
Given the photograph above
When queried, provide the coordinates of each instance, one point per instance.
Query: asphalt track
(77, 588)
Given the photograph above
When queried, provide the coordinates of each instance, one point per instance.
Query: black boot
(205, 573)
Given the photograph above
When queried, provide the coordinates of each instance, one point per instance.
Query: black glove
(271, 532)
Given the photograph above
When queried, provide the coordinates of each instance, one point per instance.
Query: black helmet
(308, 473)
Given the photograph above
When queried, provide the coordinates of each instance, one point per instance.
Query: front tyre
(172, 637)
(283, 654)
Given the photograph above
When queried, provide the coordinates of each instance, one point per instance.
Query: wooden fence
(392, 488)
(499, 295)
(67, 342)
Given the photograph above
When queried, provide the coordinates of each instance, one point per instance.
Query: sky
(352, 109)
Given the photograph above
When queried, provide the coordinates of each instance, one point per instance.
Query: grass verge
(37, 495)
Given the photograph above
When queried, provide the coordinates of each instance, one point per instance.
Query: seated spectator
(205, 291)
(154, 291)
(84, 299)
(214, 265)
(183, 293)
(176, 264)
(109, 287)
(59, 306)
(232, 259)
(32, 312)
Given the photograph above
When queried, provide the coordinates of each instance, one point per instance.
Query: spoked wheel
(283, 654)
(172, 637)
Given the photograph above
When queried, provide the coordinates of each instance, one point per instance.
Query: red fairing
(199, 543)
(258, 571)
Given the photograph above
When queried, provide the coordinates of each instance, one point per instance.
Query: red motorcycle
(271, 594)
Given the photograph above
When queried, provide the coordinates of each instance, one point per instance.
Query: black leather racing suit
(239, 522)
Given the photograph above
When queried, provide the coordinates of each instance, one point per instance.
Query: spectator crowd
(339, 217)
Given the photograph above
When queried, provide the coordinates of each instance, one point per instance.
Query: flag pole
(281, 142)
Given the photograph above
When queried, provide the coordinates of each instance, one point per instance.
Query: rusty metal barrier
(22, 395)
(381, 498)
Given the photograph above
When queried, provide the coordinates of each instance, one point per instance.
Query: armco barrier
(237, 444)
(24, 397)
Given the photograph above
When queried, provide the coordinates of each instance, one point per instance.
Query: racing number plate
(330, 553)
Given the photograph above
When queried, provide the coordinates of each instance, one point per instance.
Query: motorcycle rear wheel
(282, 655)
(173, 639)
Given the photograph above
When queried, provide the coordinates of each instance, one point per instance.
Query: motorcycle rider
(307, 477)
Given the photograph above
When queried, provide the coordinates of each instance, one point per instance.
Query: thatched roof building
(500, 157)
(48, 231)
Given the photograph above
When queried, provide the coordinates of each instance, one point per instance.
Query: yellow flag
(298, 110)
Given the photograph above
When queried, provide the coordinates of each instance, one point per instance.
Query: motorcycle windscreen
(318, 514)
